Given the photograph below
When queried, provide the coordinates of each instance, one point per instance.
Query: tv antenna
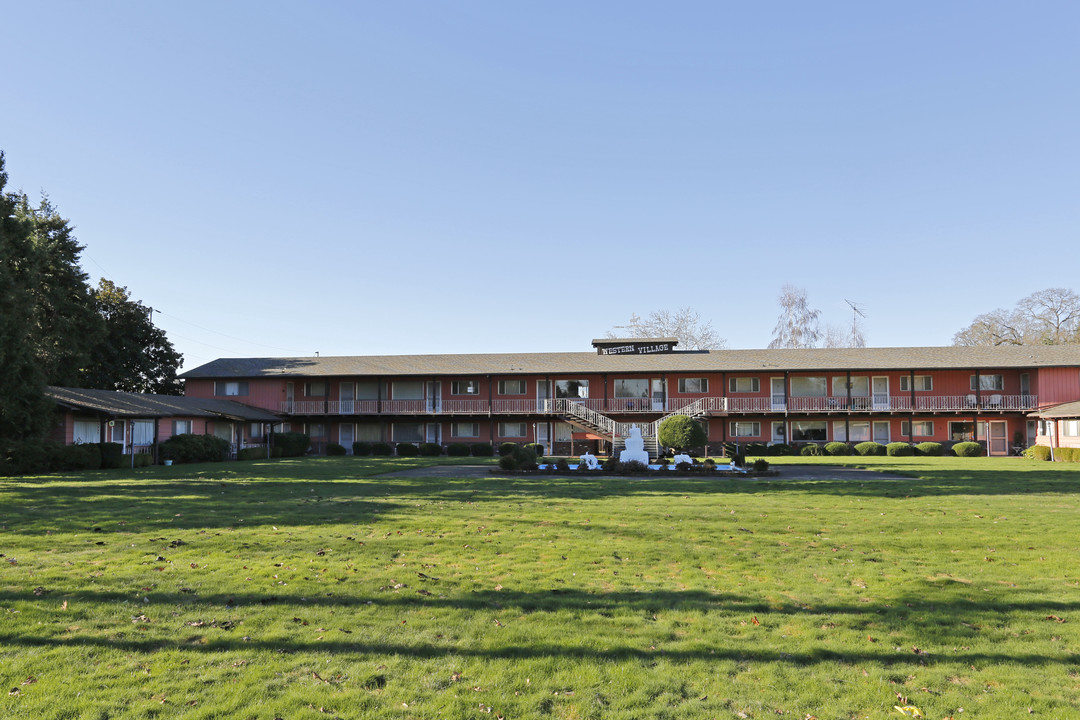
(856, 312)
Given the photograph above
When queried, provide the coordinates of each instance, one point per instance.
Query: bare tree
(835, 336)
(1047, 317)
(798, 324)
(684, 324)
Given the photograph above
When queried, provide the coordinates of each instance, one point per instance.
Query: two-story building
(574, 401)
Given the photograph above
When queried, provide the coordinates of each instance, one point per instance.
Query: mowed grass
(320, 588)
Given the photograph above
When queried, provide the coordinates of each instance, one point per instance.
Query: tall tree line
(57, 329)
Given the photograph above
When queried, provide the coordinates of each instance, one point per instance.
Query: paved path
(802, 472)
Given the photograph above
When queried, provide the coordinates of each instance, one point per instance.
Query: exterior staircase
(597, 423)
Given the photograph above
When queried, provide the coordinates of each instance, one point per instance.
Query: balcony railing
(701, 406)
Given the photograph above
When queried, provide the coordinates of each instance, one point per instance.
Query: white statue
(682, 459)
(635, 448)
(590, 462)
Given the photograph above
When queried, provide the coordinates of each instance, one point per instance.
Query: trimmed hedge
(458, 449)
(1067, 454)
(968, 449)
(899, 449)
(382, 449)
(931, 449)
(292, 444)
(870, 448)
(837, 448)
(482, 449)
(537, 449)
(112, 454)
(188, 448)
(251, 453)
(335, 449)
(430, 450)
(407, 450)
(810, 449)
(1037, 452)
(507, 448)
(361, 448)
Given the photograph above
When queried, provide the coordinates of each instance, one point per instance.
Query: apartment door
(779, 394)
(543, 395)
(347, 396)
(434, 393)
(881, 432)
(998, 438)
(880, 391)
(659, 395)
(290, 397)
(434, 433)
(346, 436)
(778, 433)
(543, 437)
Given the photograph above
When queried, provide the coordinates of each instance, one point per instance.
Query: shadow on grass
(945, 621)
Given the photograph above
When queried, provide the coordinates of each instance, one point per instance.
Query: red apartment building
(1004, 397)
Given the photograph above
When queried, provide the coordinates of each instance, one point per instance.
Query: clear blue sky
(404, 177)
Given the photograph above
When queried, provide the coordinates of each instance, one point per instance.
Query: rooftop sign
(634, 346)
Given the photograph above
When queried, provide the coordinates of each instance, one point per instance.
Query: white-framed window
(181, 427)
(408, 432)
(315, 389)
(367, 390)
(230, 388)
(860, 386)
(316, 430)
(961, 431)
(860, 431)
(564, 432)
(744, 385)
(989, 382)
(689, 386)
(368, 432)
(465, 387)
(809, 430)
(813, 386)
(511, 387)
(923, 383)
(518, 430)
(571, 388)
(919, 428)
(464, 430)
(744, 428)
(631, 388)
(1071, 428)
(87, 431)
(255, 430)
(408, 390)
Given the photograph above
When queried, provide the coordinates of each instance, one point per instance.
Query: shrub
(837, 448)
(710, 464)
(482, 449)
(62, 458)
(811, 449)
(681, 432)
(252, 453)
(112, 454)
(141, 460)
(932, 449)
(507, 462)
(525, 458)
(361, 448)
(684, 466)
(537, 449)
(761, 465)
(407, 450)
(631, 466)
(870, 448)
(1037, 452)
(756, 448)
(899, 449)
(507, 448)
(382, 449)
(335, 449)
(779, 449)
(562, 465)
(458, 449)
(611, 464)
(430, 449)
(188, 448)
(1067, 454)
(292, 444)
(968, 449)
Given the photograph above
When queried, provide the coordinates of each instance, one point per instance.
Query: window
(989, 382)
(368, 432)
(809, 430)
(744, 385)
(512, 430)
(408, 432)
(465, 387)
(571, 388)
(564, 432)
(408, 390)
(693, 385)
(230, 388)
(923, 383)
(181, 427)
(255, 430)
(636, 388)
(315, 389)
(317, 430)
(808, 387)
(464, 430)
(87, 431)
(860, 386)
(745, 429)
(1043, 428)
(511, 387)
(860, 431)
(1070, 428)
(919, 428)
(961, 431)
(367, 390)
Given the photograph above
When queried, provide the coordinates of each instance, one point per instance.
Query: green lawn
(319, 588)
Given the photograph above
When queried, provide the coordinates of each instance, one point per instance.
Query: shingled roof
(802, 360)
(114, 403)
(1064, 410)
